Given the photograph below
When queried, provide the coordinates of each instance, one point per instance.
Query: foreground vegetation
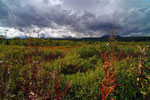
(74, 70)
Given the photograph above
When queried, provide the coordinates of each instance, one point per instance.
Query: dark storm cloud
(103, 26)
(3, 13)
(28, 15)
(89, 17)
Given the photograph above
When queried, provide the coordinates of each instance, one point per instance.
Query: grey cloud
(103, 26)
(22, 14)
(29, 15)
(82, 4)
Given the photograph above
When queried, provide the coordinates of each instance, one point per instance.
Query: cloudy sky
(76, 18)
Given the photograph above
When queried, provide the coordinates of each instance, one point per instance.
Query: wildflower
(1, 61)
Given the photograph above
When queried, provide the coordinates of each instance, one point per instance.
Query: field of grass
(75, 71)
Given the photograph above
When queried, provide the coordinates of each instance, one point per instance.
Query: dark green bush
(57, 53)
(148, 56)
(131, 51)
(87, 52)
(72, 64)
(85, 86)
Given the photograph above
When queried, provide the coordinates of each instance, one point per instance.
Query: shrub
(87, 52)
(126, 78)
(85, 85)
(57, 53)
(71, 64)
(131, 51)
(148, 56)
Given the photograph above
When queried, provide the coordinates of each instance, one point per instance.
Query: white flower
(1, 61)
(107, 44)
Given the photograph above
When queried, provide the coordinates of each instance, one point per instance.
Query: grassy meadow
(39, 69)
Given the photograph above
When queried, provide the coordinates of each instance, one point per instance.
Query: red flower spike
(108, 84)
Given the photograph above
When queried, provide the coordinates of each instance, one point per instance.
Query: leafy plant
(108, 84)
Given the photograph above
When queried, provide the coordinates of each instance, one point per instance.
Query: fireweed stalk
(3, 82)
(31, 89)
(108, 84)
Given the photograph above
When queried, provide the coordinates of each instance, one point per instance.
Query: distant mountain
(103, 38)
(67, 37)
(107, 36)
